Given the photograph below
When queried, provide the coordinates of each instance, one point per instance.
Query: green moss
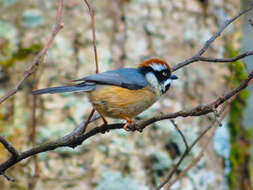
(239, 135)
(24, 52)
(21, 54)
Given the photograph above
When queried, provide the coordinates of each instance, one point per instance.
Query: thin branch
(7, 177)
(180, 132)
(14, 155)
(75, 138)
(70, 140)
(197, 56)
(9, 147)
(170, 175)
(198, 110)
(224, 60)
(33, 179)
(38, 59)
(92, 15)
(222, 28)
(193, 163)
(224, 113)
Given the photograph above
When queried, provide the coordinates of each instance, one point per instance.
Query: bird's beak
(173, 77)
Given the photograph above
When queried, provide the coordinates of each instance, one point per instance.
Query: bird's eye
(165, 74)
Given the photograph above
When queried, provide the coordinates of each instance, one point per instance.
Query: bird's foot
(129, 122)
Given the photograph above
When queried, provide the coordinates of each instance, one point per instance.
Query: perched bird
(123, 93)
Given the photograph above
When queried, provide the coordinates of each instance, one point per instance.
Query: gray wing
(129, 78)
(83, 87)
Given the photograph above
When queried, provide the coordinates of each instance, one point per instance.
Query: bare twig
(92, 15)
(9, 147)
(68, 140)
(222, 28)
(75, 138)
(224, 113)
(197, 56)
(76, 45)
(170, 175)
(38, 59)
(35, 177)
(224, 60)
(193, 163)
(14, 155)
(198, 110)
(180, 132)
(7, 177)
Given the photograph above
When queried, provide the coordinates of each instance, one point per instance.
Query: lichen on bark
(239, 175)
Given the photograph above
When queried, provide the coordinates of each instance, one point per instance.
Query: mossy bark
(239, 176)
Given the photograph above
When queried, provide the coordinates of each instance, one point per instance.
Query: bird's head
(158, 74)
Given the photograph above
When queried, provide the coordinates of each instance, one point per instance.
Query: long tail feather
(62, 89)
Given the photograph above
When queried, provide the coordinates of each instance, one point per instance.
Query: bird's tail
(62, 89)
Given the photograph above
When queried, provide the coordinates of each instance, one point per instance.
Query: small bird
(123, 93)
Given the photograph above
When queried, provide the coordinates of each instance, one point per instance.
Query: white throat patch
(158, 88)
(166, 83)
(154, 84)
(152, 80)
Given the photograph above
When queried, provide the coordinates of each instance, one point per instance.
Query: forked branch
(77, 136)
(39, 58)
(198, 56)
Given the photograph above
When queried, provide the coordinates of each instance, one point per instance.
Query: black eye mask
(160, 75)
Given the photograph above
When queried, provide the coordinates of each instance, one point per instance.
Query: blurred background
(128, 31)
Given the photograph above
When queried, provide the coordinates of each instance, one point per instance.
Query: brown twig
(223, 60)
(216, 123)
(224, 113)
(7, 177)
(14, 155)
(75, 138)
(9, 147)
(38, 59)
(170, 175)
(180, 132)
(198, 110)
(197, 56)
(76, 46)
(92, 15)
(35, 177)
